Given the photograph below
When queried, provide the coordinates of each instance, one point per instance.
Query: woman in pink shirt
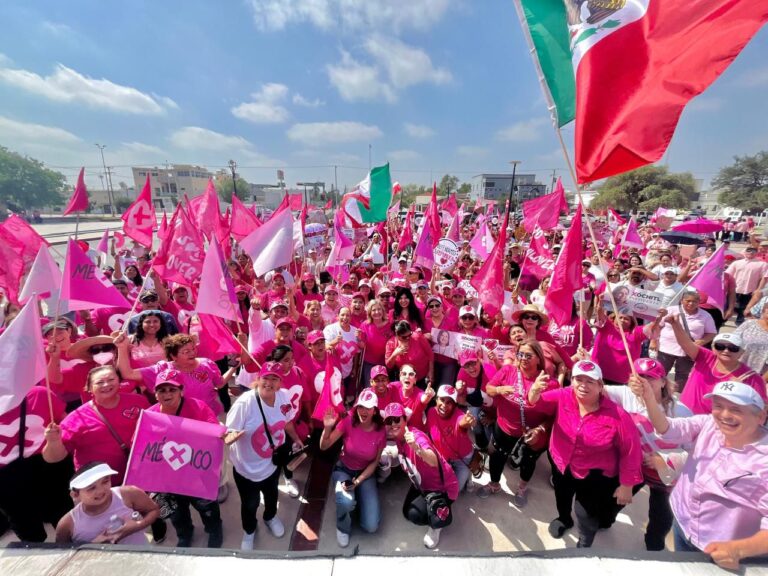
(720, 501)
(354, 474)
(436, 318)
(516, 419)
(147, 342)
(468, 323)
(595, 452)
(407, 347)
(308, 291)
(411, 397)
(376, 331)
(405, 308)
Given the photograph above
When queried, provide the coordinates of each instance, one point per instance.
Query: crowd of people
(682, 414)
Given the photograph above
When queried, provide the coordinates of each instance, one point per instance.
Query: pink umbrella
(699, 226)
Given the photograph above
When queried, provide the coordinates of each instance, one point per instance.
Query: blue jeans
(366, 494)
(461, 469)
(682, 544)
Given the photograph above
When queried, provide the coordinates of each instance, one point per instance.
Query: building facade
(170, 184)
(495, 187)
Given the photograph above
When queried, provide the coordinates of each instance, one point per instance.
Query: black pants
(682, 364)
(415, 507)
(717, 318)
(503, 444)
(33, 493)
(223, 365)
(181, 519)
(660, 517)
(250, 498)
(594, 493)
(740, 306)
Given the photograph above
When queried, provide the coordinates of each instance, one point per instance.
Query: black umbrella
(688, 238)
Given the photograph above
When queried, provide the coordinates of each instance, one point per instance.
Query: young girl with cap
(720, 501)
(428, 471)
(662, 461)
(595, 452)
(103, 514)
(354, 479)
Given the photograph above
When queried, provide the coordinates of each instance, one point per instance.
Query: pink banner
(176, 455)
(538, 257)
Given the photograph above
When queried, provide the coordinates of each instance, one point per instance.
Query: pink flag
(207, 213)
(343, 249)
(162, 232)
(217, 293)
(242, 221)
(295, 201)
(406, 236)
(709, 278)
(329, 384)
(22, 358)
(28, 236)
(79, 200)
(394, 210)
(450, 205)
(453, 228)
(631, 236)
(545, 209)
(103, 246)
(180, 255)
(614, 219)
(84, 286)
(139, 220)
(43, 278)
(11, 264)
(538, 257)
(566, 276)
(328, 205)
(216, 340)
(424, 254)
(482, 242)
(271, 245)
(432, 217)
(489, 280)
(177, 455)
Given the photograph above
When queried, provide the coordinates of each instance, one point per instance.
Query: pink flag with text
(176, 455)
(180, 255)
(709, 278)
(217, 292)
(84, 286)
(139, 220)
(43, 278)
(22, 357)
(538, 257)
(242, 221)
(566, 276)
(489, 280)
(545, 210)
(79, 200)
(328, 383)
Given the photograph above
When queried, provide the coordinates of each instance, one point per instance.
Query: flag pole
(34, 301)
(77, 224)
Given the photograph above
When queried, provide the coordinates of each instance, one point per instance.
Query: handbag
(281, 455)
(439, 510)
(167, 503)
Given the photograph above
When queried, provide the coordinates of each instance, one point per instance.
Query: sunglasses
(720, 347)
(392, 420)
(529, 317)
(384, 296)
(101, 348)
(407, 373)
(524, 355)
(436, 305)
(148, 299)
(167, 389)
(468, 317)
(405, 336)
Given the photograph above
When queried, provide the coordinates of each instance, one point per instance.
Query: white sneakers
(291, 488)
(432, 538)
(342, 538)
(276, 527)
(247, 542)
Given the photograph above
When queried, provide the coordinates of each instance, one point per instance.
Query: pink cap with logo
(650, 368)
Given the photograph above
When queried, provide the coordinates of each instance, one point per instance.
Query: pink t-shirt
(414, 407)
(747, 274)
(391, 395)
(201, 383)
(143, 356)
(108, 320)
(508, 405)
(88, 439)
(419, 354)
(360, 447)
(608, 351)
(699, 324)
(567, 335)
(449, 438)
(704, 376)
(193, 409)
(424, 476)
(38, 417)
(375, 338)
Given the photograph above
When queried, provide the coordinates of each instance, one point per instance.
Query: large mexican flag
(368, 202)
(625, 69)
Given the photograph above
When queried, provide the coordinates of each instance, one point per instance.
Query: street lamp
(109, 180)
(233, 167)
(512, 185)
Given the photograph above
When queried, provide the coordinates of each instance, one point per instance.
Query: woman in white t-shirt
(253, 444)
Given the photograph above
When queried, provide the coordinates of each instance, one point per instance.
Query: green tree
(27, 183)
(646, 188)
(409, 193)
(447, 185)
(464, 189)
(224, 188)
(744, 184)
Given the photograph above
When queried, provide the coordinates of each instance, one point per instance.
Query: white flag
(22, 357)
(271, 245)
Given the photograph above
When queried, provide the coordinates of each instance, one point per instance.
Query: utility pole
(554, 172)
(512, 184)
(110, 194)
(335, 186)
(233, 167)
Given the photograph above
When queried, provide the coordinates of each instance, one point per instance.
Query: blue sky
(434, 86)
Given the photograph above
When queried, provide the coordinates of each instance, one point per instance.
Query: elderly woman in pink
(595, 451)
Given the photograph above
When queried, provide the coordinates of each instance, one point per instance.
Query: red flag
(396, 188)
(656, 56)
(242, 221)
(295, 201)
(79, 200)
(614, 219)
(11, 264)
(27, 236)
(566, 276)
(180, 255)
(489, 280)
(709, 278)
(284, 203)
(330, 393)
(545, 210)
(538, 257)
(139, 220)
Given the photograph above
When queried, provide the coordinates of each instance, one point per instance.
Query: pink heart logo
(442, 512)
(490, 343)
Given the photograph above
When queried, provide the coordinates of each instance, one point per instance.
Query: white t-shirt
(251, 455)
(346, 349)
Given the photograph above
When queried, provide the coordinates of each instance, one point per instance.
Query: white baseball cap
(89, 474)
(367, 399)
(447, 391)
(730, 337)
(738, 393)
(587, 368)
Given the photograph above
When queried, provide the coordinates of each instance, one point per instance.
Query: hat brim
(79, 350)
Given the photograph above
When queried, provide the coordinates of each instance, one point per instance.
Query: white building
(170, 184)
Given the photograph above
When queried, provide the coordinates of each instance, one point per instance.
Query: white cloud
(265, 108)
(525, 131)
(754, 78)
(141, 148)
(196, 138)
(68, 85)
(357, 82)
(14, 132)
(705, 104)
(471, 151)
(405, 65)
(321, 133)
(299, 100)
(418, 130)
(5, 60)
(351, 15)
(403, 155)
(57, 28)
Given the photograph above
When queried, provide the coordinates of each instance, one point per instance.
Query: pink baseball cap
(650, 367)
(460, 290)
(314, 336)
(308, 276)
(271, 369)
(467, 356)
(394, 410)
(170, 376)
(283, 321)
(330, 288)
(367, 399)
(379, 370)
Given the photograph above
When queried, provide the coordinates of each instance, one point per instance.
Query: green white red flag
(368, 202)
